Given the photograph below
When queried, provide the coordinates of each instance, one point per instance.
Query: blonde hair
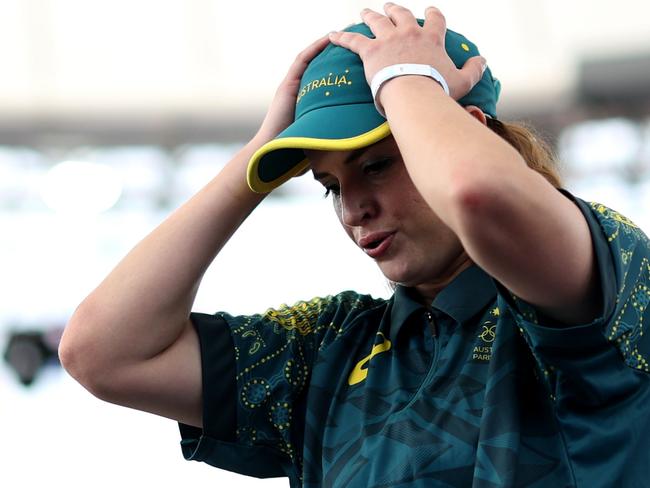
(537, 153)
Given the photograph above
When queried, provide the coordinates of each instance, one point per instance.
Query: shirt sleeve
(608, 357)
(255, 372)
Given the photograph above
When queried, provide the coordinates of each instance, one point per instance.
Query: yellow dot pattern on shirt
(301, 376)
(615, 216)
(626, 256)
(258, 341)
(266, 358)
(280, 415)
(465, 47)
(288, 449)
(294, 374)
(246, 434)
(255, 392)
(526, 310)
(628, 326)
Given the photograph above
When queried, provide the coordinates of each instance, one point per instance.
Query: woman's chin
(399, 274)
(410, 273)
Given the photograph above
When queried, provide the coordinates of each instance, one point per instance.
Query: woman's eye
(331, 189)
(376, 166)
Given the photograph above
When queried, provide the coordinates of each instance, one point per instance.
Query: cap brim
(337, 128)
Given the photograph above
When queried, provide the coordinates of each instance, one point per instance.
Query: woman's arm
(131, 337)
(510, 220)
(130, 341)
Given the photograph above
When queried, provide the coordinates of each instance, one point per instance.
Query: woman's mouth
(376, 245)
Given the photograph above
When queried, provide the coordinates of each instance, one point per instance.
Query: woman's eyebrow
(355, 154)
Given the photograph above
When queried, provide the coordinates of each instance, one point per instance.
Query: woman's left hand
(400, 39)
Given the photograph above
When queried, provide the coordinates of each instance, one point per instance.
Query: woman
(511, 353)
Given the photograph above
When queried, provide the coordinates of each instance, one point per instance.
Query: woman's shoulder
(348, 302)
(612, 221)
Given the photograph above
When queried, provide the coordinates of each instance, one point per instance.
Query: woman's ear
(477, 113)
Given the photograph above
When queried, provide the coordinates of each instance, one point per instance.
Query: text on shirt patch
(483, 352)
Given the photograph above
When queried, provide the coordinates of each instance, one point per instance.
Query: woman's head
(335, 110)
(383, 213)
(377, 204)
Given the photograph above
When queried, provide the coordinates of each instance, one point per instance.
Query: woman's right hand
(282, 109)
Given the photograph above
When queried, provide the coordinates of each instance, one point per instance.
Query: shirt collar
(461, 299)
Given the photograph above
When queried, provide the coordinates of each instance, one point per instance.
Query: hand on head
(281, 111)
(399, 38)
(324, 102)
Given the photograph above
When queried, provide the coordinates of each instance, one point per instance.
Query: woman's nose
(356, 206)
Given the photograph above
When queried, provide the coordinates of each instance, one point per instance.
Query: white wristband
(389, 72)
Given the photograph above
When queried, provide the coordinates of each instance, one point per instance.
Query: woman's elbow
(81, 358)
(468, 200)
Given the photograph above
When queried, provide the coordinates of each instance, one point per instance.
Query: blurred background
(115, 113)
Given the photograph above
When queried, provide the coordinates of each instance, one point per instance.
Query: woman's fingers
(350, 40)
(471, 73)
(399, 15)
(399, 39)
(379, 24)
(434, 21)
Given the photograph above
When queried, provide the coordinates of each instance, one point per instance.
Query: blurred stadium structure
(28, 352)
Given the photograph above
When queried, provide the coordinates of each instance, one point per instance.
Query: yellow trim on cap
(259, 186)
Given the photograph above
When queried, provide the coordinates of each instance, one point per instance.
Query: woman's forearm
(140, 308)
(445, 150)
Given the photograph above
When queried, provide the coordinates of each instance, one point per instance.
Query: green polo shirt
(479, 389)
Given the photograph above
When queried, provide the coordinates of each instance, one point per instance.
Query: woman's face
(383, 213)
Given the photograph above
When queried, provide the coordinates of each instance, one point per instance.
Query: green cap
(335, 110)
